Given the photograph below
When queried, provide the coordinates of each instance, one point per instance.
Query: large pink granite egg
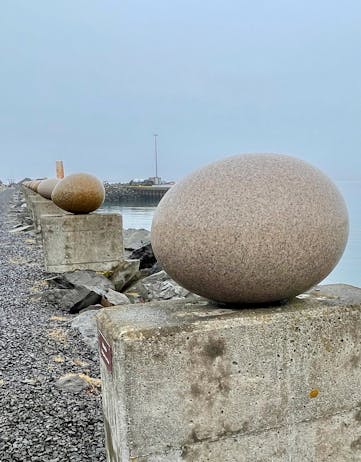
(252, 228)
(46, 187)
(79, 193)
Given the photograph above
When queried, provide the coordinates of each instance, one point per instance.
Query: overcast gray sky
(90, 81)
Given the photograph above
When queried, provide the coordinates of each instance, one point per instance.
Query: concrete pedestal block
(187, 381)
(33, 201)
(44, 207)
(29, 197)
(28, 193)
(93, 241)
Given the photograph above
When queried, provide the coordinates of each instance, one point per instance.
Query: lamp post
(156, 157)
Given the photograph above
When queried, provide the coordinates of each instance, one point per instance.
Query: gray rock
(113, 298)
(95, 307)
(145, 255)
(72, 300)
(135, 238)
(158, 286)
(77, 290)
(21, 228)
(84, 278)
(125, 273)
(340, 293)
(156, 268)
(86, 325)
(72, 383)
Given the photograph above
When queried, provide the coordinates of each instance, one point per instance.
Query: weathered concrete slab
(27, 191)
(191, 381)
(44, 207)
(35, 199)
(91, 241)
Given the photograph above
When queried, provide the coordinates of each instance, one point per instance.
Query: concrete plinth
(29, 197)
(28, 192)
(32, 201)
(44, 207)
(187, 381)
(93, 241)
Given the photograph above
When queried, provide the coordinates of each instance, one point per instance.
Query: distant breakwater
(117, 192)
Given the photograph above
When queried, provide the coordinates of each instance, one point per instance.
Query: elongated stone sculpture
(34, 185)
(79, 193)
(252, 228)
(46, 187)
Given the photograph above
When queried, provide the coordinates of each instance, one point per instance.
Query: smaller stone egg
(46, 187)
(79, 193)
(35, 185)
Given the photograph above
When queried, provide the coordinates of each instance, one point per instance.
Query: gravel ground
(38, 421)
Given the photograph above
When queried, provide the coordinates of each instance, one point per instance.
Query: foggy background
(90, 82)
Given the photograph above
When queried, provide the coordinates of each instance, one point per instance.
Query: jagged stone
(135, 238)
(77, 289)
(113, 298)
(158, 286)
(95, 307)
(145, 256)
(86, 325)
(85, 278)
(72, 383)
(72, 300)
(125, 273)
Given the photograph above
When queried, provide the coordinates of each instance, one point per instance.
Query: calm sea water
(137, 215)
(347, 271)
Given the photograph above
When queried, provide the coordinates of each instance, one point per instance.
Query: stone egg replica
(46, 187)
(34, 185)
(79, 193)
(254, 228)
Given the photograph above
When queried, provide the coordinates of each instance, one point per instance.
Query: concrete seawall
(117, 192)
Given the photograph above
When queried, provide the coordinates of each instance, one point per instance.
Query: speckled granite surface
(251, 228)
